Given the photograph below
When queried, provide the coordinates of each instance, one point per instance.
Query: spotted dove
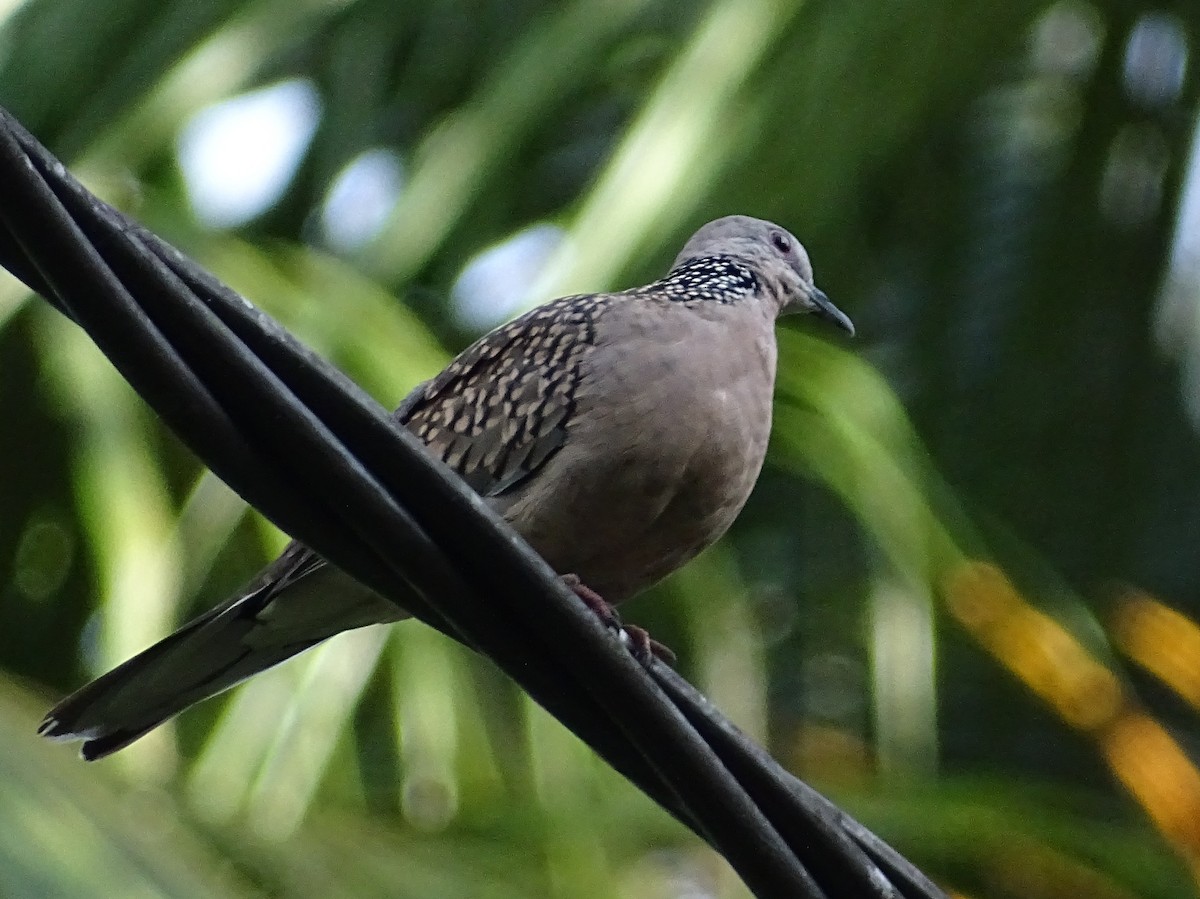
(619, 434)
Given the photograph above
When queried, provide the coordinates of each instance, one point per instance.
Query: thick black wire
(330, 466)
(844, 851)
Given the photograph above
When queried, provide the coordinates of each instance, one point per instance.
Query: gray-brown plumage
(619, 434)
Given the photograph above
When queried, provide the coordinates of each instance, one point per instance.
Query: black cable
(330, 466)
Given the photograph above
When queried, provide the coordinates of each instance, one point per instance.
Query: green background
(962, 600)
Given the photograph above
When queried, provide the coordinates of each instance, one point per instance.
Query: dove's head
(778, 260)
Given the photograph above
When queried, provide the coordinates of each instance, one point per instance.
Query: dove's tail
(210, 654)
(203, 658)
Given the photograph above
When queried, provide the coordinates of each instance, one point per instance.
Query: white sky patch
(361, 198)
(1067, 39)
(1178, 319)
(7, 8)
(238, 156)
(1156, 59)
(501, 279)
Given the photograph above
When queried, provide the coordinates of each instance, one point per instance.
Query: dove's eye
(781, 242)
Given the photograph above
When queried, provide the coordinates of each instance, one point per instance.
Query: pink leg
(641, 644)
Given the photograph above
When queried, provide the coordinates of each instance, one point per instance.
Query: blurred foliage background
(964, 598)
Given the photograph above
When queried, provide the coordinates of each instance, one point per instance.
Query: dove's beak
(822, 307)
